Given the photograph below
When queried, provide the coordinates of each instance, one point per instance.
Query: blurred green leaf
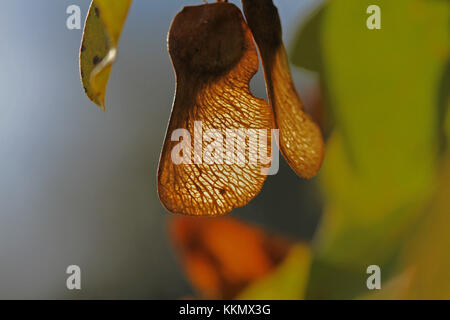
(395, 288)
(287, 282)
(99, 45)
(447, 125)
(306, 51)
(428, 255)
(444, 108)
(383, 86)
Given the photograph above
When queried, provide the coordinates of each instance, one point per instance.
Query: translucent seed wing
(301, 141)
(214, 58)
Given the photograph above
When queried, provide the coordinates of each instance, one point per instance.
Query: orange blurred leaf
(222, 256)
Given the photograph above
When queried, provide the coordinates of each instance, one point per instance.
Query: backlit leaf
(102, 31)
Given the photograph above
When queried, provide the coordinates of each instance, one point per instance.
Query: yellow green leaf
(428, 254)
(447, 125)
(446, 105)
(379, 171)
(98, 52)
(395, 288)
(379, 174)
(425, 259)
(287, 282)
(306, 51)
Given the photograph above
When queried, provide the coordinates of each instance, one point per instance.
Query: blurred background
(78, 186)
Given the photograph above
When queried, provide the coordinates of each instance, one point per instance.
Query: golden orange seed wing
(214, 58)
(301, 141)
